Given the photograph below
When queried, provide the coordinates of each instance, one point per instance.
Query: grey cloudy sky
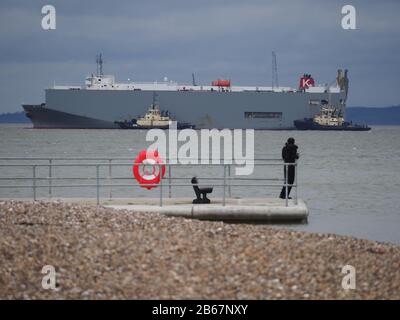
(148, 40)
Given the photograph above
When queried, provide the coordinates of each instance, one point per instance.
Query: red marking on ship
(306, 81)
(221, 83)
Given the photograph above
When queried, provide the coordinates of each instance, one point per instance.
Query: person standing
(289, 155)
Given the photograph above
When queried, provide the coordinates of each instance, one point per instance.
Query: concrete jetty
(268, 210)
(235, 209)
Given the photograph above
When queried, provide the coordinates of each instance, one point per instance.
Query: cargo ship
(101, 102)
(330, 119)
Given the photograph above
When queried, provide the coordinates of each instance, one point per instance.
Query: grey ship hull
(44, 118)
(250, 109)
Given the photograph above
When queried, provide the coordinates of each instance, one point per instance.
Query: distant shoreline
(14, 117)
(374, 116)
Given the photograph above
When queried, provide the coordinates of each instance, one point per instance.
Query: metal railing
(227, 182)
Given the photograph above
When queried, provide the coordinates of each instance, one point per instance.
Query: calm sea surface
(350, 180)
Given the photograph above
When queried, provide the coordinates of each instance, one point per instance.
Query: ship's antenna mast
(154, 98)
(275, 82)
(99, 62)
(193, 79)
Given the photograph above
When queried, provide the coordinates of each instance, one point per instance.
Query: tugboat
(153, 119)
(127, 124)
(328, 119)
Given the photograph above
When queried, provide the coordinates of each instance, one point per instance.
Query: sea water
(349, 180)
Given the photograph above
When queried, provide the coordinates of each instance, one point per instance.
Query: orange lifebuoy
(152, 168)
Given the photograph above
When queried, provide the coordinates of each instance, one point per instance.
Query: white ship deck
(108, 83)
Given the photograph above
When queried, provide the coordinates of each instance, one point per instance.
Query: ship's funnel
(306, 81)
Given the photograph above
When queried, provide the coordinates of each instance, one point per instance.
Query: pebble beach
(103, 253)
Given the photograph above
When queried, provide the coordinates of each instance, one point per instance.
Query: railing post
(161, 183)
(110, 176)
(34, 182)
(50, 178)
(97, 185)
(296, 172)
(286, 184)
(229, 181)
(223, 198)
(169, 181)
